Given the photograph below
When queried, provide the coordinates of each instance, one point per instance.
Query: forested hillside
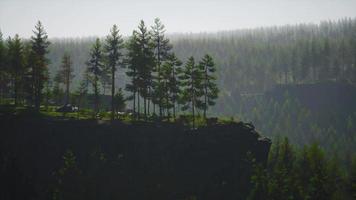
(256, 59)
(251, 61)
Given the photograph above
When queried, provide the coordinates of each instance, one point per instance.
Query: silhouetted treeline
(155, 77)
(250, 61)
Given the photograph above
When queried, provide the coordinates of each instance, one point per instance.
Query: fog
(69, 18)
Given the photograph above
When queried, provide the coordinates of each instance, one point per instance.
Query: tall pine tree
(169, 84)
(113, 48)
(140, 61)
(3, 70)
(162, 49)
(191, 80)
(95, 66)
(211, 90)
(15, 61)
(66, 75)
(40, 44)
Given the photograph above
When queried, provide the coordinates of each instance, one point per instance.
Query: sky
(80, 18)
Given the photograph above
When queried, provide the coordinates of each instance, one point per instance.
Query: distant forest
(254, 60)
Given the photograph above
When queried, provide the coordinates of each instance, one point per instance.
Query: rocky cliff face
(126, 161)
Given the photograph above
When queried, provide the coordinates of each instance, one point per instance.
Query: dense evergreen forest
(295, 81)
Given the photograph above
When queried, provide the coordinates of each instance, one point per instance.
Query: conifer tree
(81, 92)
(95, 65)
(169, 84)
(132, 61)
(57, 91)
(15, 61)
(29, 62)
(66, 74)
(162, 49)
(40, 44)
(3, 70)
(192, 88)
(352, 177)
(119, 101)
(114, 44)
(140, 61)
(207, 65)
(146, 64)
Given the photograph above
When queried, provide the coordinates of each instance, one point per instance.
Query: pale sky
(76, 18)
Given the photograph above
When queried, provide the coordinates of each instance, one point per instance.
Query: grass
(85, 114)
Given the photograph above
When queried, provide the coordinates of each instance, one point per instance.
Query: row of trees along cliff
(158, 79)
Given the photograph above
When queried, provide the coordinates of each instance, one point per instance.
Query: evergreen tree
(132, 61)
(192, 88)
(81, 93)
(119, 101)
(95, 66)
(65, 74)
(140, 62)
(29, 64)
(162, 49)
(146, 65)
(169, 84)
(58, 92)
(3, 68)
(69, 179)
(47, 90)
(15, 62)
(40, 44)
(207, 65)
(114, 44)
(352, 177)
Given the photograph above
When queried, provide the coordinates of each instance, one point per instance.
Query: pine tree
(95, 65)
(140, 62)
(58, 92)
(132, 61)
(114, 44)
(352, 177)
(40, 44)
(66, 75)
(15, 61)
(169, 84)
(192, 88)
(211, 91)
(146, 64)
(162, 49)
(81, 92)
(3, 69)
(119, 101)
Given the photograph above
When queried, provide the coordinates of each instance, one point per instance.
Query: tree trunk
(206, 92)
(16, 91)
(138, 104)
(96, 96)
(145, 107)
(112, 92)
(67, 89)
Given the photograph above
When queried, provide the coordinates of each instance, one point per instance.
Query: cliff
(126, 161)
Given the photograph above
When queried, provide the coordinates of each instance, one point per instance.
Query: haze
(69, 18)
